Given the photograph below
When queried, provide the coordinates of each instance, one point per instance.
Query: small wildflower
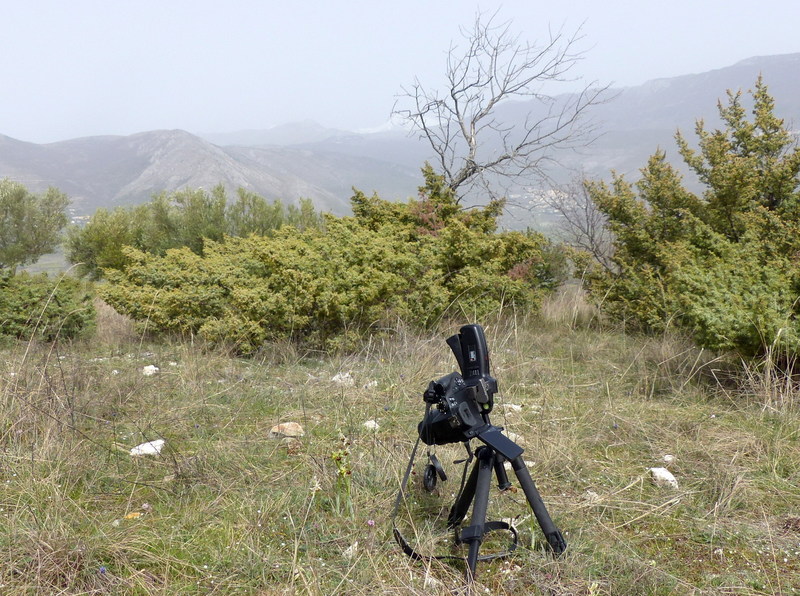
(370, 522)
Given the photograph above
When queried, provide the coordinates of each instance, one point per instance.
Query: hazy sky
(84, 67)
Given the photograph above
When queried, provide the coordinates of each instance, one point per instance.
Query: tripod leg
(551, 532)
(459, 509)
(473, 534)
(499, 471)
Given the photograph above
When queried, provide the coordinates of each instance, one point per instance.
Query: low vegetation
(721, 266)
(334, 287)
(29, 223)
(184, 218)
(37, 306)
(226, 509)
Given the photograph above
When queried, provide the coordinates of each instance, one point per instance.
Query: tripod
(463, 403)
(490, 457)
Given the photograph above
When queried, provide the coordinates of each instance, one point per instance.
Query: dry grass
(113, 329)
(224, 509)
(569, 307)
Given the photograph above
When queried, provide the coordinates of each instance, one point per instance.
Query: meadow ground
(225, 509)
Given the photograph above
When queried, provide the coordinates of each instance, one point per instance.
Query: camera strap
(488, 526)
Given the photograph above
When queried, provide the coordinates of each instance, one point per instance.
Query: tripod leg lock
(471, 533)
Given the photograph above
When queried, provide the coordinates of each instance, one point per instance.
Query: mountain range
(307, 160)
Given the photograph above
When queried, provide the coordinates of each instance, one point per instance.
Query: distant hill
(293, 133)
(641, 119)
(307, 160)
(631, 125)
(110, 171)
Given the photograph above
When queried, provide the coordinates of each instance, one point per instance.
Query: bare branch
(472, 143)
(583, 225)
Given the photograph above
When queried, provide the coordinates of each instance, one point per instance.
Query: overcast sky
(82, 67)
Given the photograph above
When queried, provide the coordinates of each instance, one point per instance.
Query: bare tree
(472, 144)
(582, 224)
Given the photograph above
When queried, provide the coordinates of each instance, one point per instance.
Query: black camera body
(461, 402)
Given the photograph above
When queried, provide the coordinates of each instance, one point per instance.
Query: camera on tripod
(457, 410)
(461, 401)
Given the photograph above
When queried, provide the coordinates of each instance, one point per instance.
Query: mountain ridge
(307, 160)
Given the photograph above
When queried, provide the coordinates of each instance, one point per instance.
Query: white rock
(431, 583)
(509, 468)
(371, 385)
(150, 370)
(372, 425)
(663, 477)
(293, 445)
(513, 408)
(351, 551)
(344, 379)
(518, 439)
(286, 429)
(149, 448)
(668, 459)
(592, 497)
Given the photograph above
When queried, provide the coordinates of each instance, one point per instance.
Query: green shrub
(40, 307)
(185, 217)
(722, 266)
(329, 286)
(30, 224)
